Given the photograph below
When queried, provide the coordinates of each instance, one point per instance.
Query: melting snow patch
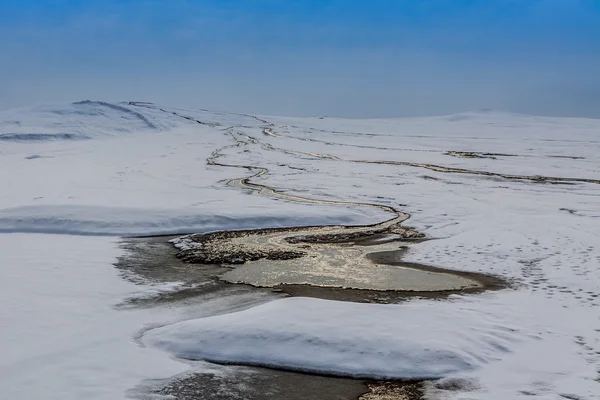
(416, 340)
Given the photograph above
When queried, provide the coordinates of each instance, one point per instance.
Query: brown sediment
(494, 156)
(391, 390)
(240, 246)
(474, 154)
(371, 237)
(250, 383)
(368, 295)
(439, 168)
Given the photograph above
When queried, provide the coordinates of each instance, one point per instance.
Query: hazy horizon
(335, 58)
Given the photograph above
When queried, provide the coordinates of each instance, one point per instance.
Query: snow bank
(61, 336)
(415, 340)
(124, 221)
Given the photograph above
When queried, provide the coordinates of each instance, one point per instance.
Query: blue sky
(369, 58)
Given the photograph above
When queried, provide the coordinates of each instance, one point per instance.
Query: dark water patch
(454, 170)
(253, 383)
(394, 390)
(261, 384)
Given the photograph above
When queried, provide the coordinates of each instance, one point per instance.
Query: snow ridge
(128, 221)
(118, 108)
(416, 340)
(79, 120)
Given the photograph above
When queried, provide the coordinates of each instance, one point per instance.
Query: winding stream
(363, 257)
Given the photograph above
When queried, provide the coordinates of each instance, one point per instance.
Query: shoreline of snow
(125, 221)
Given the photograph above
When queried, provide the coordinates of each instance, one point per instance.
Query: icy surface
(93, 168)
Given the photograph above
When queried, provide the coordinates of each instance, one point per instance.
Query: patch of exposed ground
(476, 154)
(494, 156)
(244, 383)
(240, 246)
(329, 256)
(439, 168)
(394, 391)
